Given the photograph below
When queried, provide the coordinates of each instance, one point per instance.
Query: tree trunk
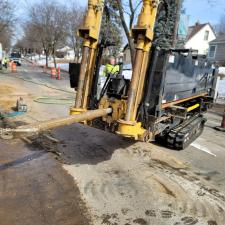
(127, 32)
(75, 54)
(55, 65)
(46, 58)
(178, 11)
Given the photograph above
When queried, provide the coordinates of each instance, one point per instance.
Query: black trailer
(178, 91)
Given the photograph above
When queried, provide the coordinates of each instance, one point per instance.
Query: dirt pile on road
(123, 182)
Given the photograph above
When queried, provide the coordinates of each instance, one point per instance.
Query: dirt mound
(124, 182)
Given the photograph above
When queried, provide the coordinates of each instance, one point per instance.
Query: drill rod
(55, 123)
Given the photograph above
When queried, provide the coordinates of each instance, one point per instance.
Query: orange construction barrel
(13, 67)
(59, 73)
(53, 72)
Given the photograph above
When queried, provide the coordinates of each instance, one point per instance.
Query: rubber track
(183, 135)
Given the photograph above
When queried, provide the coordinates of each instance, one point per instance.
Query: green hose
(55, 100)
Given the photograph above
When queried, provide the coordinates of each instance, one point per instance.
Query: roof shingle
(195, 29)
(220, 39)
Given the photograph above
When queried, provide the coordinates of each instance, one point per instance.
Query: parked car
(16, 57)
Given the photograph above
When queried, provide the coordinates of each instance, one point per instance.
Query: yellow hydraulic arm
(90, 33)
(143, 36)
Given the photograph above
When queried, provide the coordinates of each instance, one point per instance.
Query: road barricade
(53, 72)
(58, 73)
(13, 67)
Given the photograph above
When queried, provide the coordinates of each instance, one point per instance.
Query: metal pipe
(89, 78)
(55, 123)
(143, 36)
(134, 85)
(82, 77)
(141, 83)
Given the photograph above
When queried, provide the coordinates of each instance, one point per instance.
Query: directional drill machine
(168, 93)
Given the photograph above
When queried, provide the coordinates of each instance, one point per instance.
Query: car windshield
(15, 55)
(127, 67)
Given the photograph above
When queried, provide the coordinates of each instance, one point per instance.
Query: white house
(199, 37)
(68, 52)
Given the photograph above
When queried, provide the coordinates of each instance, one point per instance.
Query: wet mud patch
(46, 142)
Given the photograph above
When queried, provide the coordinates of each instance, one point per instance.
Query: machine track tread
(184, 134)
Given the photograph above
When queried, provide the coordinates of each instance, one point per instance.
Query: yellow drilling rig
(168, 92)
(165, 99)
(124, 109)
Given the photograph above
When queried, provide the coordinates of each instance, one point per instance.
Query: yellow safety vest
(110, 69)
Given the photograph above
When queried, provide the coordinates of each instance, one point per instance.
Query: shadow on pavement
(80, 144)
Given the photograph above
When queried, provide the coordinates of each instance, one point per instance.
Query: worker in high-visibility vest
(5, 62)
(111, 67)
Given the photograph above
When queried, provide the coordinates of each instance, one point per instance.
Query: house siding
(220, 52)
(197, 42)
(126, 56)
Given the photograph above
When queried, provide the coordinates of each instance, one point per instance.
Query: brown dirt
(6, 101)
(6, 89)
(35, 190)
(9, 95)
(7, 104)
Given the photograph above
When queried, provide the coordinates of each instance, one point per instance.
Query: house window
(212, 51)
(206, 36)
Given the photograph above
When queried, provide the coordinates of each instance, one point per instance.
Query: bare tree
(6, 15)
(5, 38)
(130, 9)
(29, 43)
(221, 25)
(111, 31)
(7, 18)
(75, 16)
(48, 25)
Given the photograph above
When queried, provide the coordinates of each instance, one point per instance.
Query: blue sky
(203, 11)
(197, 10)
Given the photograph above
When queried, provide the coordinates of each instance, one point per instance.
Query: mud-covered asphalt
(35, 190)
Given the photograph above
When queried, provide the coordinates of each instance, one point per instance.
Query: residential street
(89, 176)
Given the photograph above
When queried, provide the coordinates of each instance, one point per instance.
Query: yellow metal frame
(131, 130)
(75, 111)
(191, 108)
(118, 108)
(90, 33)
(143, 36)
